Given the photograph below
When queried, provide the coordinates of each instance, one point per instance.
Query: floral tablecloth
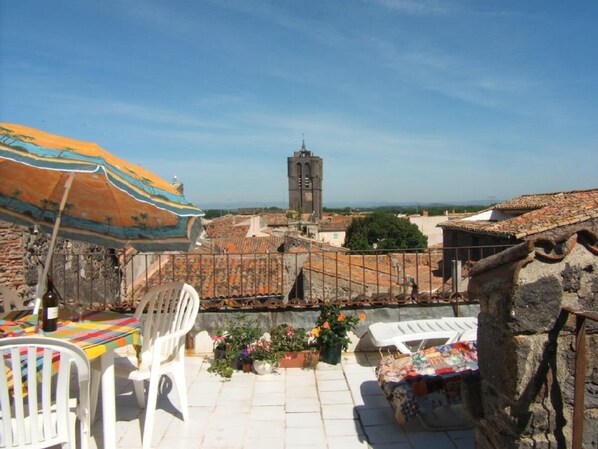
(430, 378)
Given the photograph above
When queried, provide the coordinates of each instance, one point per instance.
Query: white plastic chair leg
(71, 430)
(139, 386)
(83, 418)
(178, 373)
(94, 391)
(150, 409)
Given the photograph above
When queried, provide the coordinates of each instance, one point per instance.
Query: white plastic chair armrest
(159, 342)
(163, 339)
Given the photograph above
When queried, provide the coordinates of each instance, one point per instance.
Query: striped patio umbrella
(80, 191)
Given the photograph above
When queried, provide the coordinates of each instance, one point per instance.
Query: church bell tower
(305, 182)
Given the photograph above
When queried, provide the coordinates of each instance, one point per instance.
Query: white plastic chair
(35, 405)
(171, 311)
(411, 336)
(10, 299)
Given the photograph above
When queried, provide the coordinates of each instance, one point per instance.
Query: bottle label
(52, 313)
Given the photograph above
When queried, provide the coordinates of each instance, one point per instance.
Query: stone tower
(305, 182)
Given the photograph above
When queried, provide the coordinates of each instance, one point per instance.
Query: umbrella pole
(41, 282)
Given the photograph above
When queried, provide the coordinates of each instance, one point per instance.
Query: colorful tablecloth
(100, 332)
(430, 378)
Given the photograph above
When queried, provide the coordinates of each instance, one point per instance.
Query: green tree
(214, 213)
(382, 230)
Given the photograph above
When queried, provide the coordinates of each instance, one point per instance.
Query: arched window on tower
(299, 175)
(307, 175)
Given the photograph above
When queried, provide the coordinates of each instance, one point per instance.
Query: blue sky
(405, 100)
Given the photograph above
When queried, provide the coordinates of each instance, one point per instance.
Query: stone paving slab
(332, 407)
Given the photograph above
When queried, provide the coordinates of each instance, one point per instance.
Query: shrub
(333, 326)
(262, 349)
(234, 338)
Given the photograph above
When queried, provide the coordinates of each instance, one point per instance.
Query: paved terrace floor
(332, 407)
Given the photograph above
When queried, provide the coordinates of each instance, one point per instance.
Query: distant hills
(351, 204)
(374, 204)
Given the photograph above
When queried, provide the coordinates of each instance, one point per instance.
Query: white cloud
(418, 7)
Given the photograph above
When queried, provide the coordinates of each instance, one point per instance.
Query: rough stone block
(536, 306)
(527, 350)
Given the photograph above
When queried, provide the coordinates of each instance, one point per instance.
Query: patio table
(99, 334)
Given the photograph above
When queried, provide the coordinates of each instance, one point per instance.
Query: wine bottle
(50, 305)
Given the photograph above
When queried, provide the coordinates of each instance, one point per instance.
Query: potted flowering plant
(331, 331)
(245, 360)
(263, 355)
(295, 347)
(230, 344)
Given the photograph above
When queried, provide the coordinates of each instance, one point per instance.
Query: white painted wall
(490, 215)
(334, 238)
(427, 226)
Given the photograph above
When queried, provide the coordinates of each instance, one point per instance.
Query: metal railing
(274, 280)
(579, 377)
(298, 280)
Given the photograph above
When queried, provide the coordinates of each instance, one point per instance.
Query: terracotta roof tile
(222, 276)
(276, 219)
(375, 270)
(228, 226)
(248, 245)
(335, 223)
(535, 213)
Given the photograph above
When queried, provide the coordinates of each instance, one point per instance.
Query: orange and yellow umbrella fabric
(111, 202)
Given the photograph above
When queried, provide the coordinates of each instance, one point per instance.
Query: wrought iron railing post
(241, 274)
(336, 274)
(323, 277)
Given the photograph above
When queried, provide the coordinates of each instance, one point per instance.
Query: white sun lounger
(411, 336)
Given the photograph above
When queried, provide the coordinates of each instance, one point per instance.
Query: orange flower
(326, 325)
(361, 316)
(341, 317)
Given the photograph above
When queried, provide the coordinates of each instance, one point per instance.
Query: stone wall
(322, 287)
(524, 396)
(87, 272)
(93, 275)
(20, 257)
(207, 323)
(11, 256)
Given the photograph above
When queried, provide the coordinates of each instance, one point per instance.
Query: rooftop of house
(233, 276)
(527, 215)
(221, 276)
(391, 272)
(247, 245)
(228, 226)
(335, 223)
(276, 219)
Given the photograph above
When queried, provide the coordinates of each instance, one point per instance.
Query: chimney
(177, 185)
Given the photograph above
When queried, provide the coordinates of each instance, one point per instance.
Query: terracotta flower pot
(300, 359)
(247, 367)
